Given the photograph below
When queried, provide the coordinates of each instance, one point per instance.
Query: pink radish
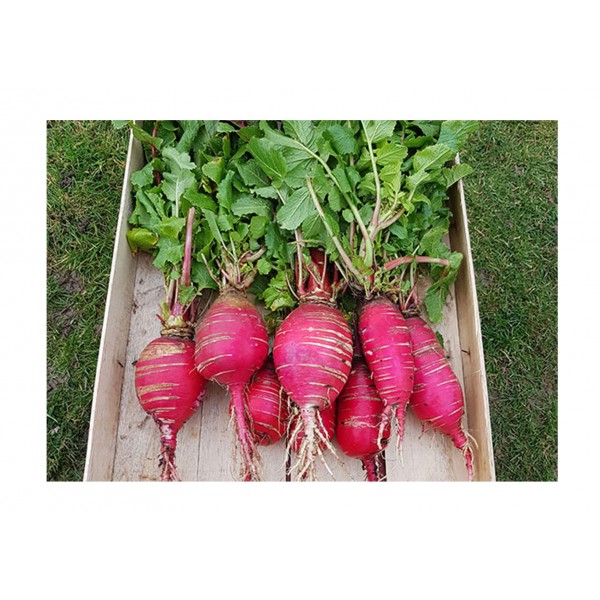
(231, 345)
(312, 353)
(437, 398)
(167, 385)
(386, 346)
(359, 415)
(267, 406)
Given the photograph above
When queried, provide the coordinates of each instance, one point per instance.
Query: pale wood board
(124, 441)
(113, 341)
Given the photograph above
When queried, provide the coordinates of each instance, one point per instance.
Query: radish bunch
(306, 228)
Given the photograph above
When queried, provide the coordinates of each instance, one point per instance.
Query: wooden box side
(471, 344)
(113, 342)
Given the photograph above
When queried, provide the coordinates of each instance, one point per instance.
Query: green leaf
(252, 174)
(452, 175)
(144, 136)
(274, 241)
(434, 303)
(170, 251)
(171, 227)
(144, 176)
(455, 133)
(377, 131)
(340, 175)
(429, 128)
(200, 275)
(432, 157)
(177, 161)
(391, 154)
(417, 179)
(175, 185)
(141, 239)
(335, 199)
(250, 205)
(266, 192)
(342, 139)
(279, 139)
(278, 295)
(391, 176)
(258, 227)
(211, 219)
(264, 266)
(120, 124)
(347, 215)
(303, 131)
(225, 190)
(225, 222)
(298, 207)
(214, 170)
(270, 159)
(398, 230)
(186, 293)
(201, 201)
(190, 131)
(432, 243)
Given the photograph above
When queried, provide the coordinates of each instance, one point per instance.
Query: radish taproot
(166, 382)
(267, 406)
(312, 353)
(359, 414)
(386, 346)
(231, 345)
(437, 398)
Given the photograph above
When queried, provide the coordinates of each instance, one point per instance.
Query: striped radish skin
(170, 390)
(312, 353)
(437, 399)
(231, 345)
(267, 406)
(358, 417)
(386, 346)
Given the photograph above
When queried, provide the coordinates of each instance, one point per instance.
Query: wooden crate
(123, 441)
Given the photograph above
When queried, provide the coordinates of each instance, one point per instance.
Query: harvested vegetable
(312, 353)
(167, 385)
(231, 345)
(437, 399)
(358, 421)
(267, 406)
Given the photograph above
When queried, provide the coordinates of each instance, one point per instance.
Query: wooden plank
(471, 343)
(113, 341)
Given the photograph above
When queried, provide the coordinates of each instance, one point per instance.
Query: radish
(312, 353)
(358, 418)
(231, 345)
(386, 346)
(167, 385)
(267, 406)
(437, 398)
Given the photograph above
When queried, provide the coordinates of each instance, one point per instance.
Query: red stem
(405, 260)
(175, 306)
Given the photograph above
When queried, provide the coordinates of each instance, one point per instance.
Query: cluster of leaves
(365, 191)
(368, 192)
(207, 165)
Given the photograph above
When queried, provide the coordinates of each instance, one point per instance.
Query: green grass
(84, 178)
(512, 207)
(513, 215)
